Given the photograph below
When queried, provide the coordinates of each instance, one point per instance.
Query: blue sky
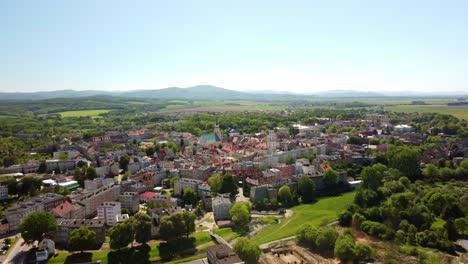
(297, 46)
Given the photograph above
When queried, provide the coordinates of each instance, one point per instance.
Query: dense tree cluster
(240, 214)
(247, 250)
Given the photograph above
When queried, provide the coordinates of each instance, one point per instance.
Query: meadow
(83, 113)
(322, 212)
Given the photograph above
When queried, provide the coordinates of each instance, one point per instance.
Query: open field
(458, 111)
(91, 113)
(323, 211)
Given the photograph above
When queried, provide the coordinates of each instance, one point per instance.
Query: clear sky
(297, 46)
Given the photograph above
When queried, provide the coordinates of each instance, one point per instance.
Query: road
(17, 254)
(240, 196)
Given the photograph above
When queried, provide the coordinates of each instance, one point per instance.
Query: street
(17, 254)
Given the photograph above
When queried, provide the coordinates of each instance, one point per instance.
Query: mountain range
(200, 92)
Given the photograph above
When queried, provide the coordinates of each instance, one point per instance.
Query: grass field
(458, 111)
(91, 113)
(203, 241)
(325, 210)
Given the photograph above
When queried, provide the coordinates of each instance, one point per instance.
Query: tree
(30, 185)
(81, 239)
(142, 223)
(431, 172)
(240, 213)
(177, 225)
(247, 250)
(307, 234)
(406, 160)
(124, 161)
(189, 197)
(289, 160)
(330, 178)
(284, 195)
(354, 140)
(215, 181)
(228, 184)
(326, 239)
(35, 225)
(121, 235)
(306, 189)
(42, 167)
(344, 248)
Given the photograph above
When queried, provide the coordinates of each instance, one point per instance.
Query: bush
(345, 218)
(362, 252)
(326, 238)
(377, 229)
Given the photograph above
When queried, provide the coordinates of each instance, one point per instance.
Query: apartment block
(130, 201)
(109, 212)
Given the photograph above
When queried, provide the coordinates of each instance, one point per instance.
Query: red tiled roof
(148, 195)
(63, 209)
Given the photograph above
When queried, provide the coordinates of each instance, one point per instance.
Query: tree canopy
(37, 224)
(306, 189)
(247, 250)
(81, 239)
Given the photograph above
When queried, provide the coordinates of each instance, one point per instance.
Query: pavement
(17, 254)
(240, 196)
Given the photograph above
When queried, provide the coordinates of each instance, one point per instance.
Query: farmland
(458, 111)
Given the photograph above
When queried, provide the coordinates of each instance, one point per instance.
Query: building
(65, 226)
(109, 212)
(185, 183)
(221, 206)
(218, 254)
(91, 200)
(69, 210)
(130, 201)
(41, 203)
(3, 192)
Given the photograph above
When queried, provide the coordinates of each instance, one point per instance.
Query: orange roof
(63, 209)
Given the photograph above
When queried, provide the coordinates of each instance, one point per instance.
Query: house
(221, 205)
(222, 254)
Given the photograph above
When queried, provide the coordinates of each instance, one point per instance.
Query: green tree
(306, 189)
(124, 161)
(307, 234)
(142, 223)
(240, 213)
(81, 239)
(177, 225)
(247, 250)
(228, 184)
(35, 225)
(284, 195)
(326, 239)
(344, 248)
(330, 178)
(406, 160)
(189, 197)
(121, 235)
(431, 172)
(461, 226)
(215, 181)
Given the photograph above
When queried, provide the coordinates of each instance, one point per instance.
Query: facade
(41, 203)
(109, 212)
(221, 206)
(186, 183)
(222, 254)
(130, 201)
(91, 200)
(65, 226)
(3, 192)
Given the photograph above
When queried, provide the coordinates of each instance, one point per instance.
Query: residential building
(3, 192)
(186, 183)
(91, 200)
(130, 201)
(65, 226)
(222, 254)
(109, 212)
(41, 203)
(221, 206)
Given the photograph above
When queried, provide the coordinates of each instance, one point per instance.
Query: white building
(221, 206)
(109, 212)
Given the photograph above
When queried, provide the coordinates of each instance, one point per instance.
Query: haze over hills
(203, 92)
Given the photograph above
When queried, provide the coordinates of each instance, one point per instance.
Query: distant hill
(201, 92)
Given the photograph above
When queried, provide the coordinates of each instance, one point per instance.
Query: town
(313, 190)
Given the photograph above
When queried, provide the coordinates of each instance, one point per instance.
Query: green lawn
(91, 113)
(458, 111)
(323, 211)
(203, 241)
(227, 233)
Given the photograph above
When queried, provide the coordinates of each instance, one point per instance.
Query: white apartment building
(109, 212)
